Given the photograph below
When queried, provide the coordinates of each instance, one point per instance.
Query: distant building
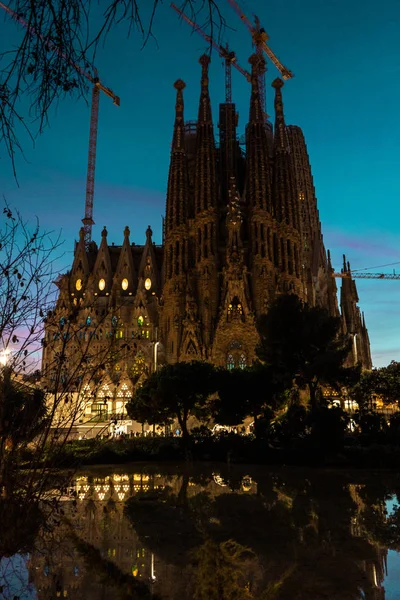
(240, 228)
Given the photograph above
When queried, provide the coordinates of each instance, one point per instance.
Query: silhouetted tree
(253, 392)
(304, 344)
(177, 391)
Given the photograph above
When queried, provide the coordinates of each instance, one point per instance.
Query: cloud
(372, 244)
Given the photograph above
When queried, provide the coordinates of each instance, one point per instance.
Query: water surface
(215, 533)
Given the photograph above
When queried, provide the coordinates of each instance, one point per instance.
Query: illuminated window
(230, 363)
(147, 283)
(88, 320)
(114, 321)
(140, 321)
(78, 284)
(102, 284)
(62, 321)
(235, 308)
(75, 301)
(119, 334)
(125, 284)
(242, 361)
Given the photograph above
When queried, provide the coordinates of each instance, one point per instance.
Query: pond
(214, 532)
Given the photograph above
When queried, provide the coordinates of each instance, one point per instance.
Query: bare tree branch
(57, 47)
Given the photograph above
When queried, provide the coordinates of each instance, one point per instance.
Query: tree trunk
(313, 397)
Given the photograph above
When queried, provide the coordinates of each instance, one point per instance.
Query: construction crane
(94, 119)
(358, 275)
(228, 56)
(260, 37)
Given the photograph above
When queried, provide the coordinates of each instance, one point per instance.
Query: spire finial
(329, 260)
(104, 232)
(149, 233)
(204, 60)
(278, 84)
(127, 232)
(177, 142)
(344, 264)
(257, 67)
(82, 233)
(179, 85)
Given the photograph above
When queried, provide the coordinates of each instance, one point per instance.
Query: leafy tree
(254, 392)
(383, 382)
(177, 391)
(304, 344)
(23, 416)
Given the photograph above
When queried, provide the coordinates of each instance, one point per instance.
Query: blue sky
(345, 96)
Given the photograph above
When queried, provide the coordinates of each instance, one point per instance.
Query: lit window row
(124, 284)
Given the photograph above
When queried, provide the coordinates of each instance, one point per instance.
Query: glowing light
(147, 283)
(125, 284)
(4, 357)
(140, 321)
(102, 284)
(78, 284)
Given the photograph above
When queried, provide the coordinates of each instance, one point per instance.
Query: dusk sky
(345, 96)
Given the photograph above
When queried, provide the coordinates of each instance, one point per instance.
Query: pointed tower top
(278, 83)
(179, 85)
(344, 264)
(149, 233)
(104, 232)
(280, 126)
(204, 60)
(177, 140)
(82, 233)
(329, 260)
(127, 232)
(256, 110)
(205, 105)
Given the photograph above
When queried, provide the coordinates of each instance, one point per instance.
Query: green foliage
(304, 344)
(383, 383)
(175, 392)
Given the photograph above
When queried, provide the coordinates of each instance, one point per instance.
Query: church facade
(241, 226)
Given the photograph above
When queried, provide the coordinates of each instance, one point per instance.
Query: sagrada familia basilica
(241, 226)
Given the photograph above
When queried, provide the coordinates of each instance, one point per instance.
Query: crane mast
(94, 119)
(228, 56)
(357, 275)
(260, 38)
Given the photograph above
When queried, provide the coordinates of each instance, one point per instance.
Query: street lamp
(155, 355)
(4, 357)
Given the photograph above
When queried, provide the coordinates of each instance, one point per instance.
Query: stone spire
(284, 183)
(206, 188)
(258, 183)
(178, 182)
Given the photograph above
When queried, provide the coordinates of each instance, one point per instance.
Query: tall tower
(313, 254)
(263, 246)
(205, 224)
(286, 205)
(176, 250)
(353, 322)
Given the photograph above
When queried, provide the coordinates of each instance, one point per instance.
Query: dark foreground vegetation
(371, 448)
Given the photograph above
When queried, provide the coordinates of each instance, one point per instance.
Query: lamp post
(155, 356)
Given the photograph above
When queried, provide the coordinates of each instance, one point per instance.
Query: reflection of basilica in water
(121, 531)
